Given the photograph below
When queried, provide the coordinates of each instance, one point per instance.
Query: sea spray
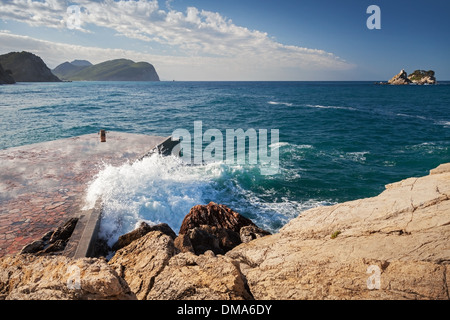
(161, 189)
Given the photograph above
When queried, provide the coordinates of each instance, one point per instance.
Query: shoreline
(325, 253)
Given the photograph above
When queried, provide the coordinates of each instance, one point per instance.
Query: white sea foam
(444, 123)
(288, 104)
(357, 156)
(412, 116)
(329, 107)
(163, 189)
(278, 144)
(282, 144)
(154, 190)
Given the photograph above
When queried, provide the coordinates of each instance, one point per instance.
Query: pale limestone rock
(392, 246)
(30, 277)
(405, 231)
(192, 277)
(400, 78)
(142, 260)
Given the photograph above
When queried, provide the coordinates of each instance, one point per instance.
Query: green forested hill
(113, 70)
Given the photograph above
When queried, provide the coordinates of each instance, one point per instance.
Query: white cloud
(199, 36)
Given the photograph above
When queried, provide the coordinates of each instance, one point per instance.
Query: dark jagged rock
(139, 232)
(203, 241)
(52, 241)
(64, 232)
(213, 227)
(214, 215)
(27, 67)
(249, 233)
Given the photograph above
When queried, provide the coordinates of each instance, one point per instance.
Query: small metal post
(102, 135)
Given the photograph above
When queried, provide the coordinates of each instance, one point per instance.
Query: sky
(237, 40)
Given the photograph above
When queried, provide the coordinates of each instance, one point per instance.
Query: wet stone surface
(42, 185)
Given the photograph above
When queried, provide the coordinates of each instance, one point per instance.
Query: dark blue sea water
(338, 141)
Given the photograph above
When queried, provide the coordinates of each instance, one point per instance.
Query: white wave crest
(329, 107)
(288, 104)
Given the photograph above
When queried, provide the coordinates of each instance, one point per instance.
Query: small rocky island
(419, 77)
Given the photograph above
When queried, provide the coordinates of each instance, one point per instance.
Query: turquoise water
(338, 140)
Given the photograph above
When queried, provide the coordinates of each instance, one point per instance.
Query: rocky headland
(112, 70)
(6, 76)
(27, 67)
(392, 246)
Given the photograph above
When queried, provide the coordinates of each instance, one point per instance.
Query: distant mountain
(27, 67)
(5, 76)
(81, 63)
(64, 70)
(113, 70)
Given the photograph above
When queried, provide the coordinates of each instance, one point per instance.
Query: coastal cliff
(27, 67)
(392, 246)
(5, 76)
(112, 70)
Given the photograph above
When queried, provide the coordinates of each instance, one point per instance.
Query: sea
(337, 141)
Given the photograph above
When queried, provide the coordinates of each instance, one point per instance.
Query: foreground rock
(214, 215)
(393, 246)
(30, 277)
(142, 260)
(154, 269)
(53, 241)
(141, 231)
(203, 277)
(215, 227)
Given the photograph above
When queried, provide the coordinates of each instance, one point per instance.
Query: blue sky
(237, 40)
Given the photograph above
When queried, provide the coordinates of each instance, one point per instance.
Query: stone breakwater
(392, 246)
